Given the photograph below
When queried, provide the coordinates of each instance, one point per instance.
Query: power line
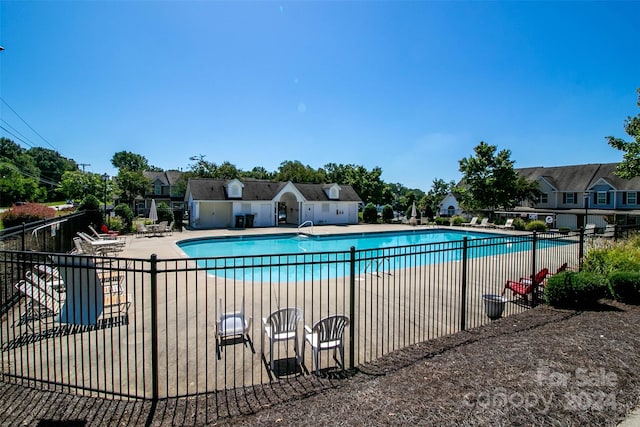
(21, 137)
(8, 163)
(28, 125)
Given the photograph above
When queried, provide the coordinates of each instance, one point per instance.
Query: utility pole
(83, 165)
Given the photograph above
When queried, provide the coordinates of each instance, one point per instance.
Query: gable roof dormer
(332, 191)
(234, 189)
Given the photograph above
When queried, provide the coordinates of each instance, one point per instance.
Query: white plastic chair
(232, 325)
(281, 325)
(326, 334)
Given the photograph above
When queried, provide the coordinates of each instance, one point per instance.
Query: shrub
(574, 290)
(387, 213)
(457, 220)
(536, 225)
(441, 220)
(26, 213)
(370, 214)
(625, 286)
(126, 214)
(164, 212)
(116, 224)
(519, 224)
(89, 203)
(604, 261)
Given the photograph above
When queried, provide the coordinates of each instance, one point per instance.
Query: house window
(451, 211)
(157, 189)
(544, 198)
(632, 198)
(570, 198)
(602, 198)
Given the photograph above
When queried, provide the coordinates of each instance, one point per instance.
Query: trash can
(248, 220)
(494, 305)
(239, 221)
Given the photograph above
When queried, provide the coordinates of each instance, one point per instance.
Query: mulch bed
(541, 367)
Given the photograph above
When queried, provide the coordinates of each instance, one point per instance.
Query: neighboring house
(449, 206)
(216, 203)
(163, 189)
(569, 193)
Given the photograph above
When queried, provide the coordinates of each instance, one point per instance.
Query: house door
(308, 213)
(265, 217)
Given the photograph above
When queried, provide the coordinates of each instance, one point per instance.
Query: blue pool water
(293, 257)
(301, 244)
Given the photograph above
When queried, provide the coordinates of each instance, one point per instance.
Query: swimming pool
(295, 257)
(293, 243)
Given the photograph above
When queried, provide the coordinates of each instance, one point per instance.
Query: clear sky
(410, 87)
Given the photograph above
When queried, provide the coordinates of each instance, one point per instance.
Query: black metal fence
(154, 328)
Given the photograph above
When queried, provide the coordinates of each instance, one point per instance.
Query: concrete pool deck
(409, 306)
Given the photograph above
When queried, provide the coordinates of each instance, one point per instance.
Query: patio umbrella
(153, 212)
(413, 211)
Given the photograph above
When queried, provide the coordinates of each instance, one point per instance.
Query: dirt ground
(543, 367)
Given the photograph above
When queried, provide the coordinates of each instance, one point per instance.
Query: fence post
(534, 287)
(24, 232)
(154, 327)
(463, 302)
(581, 249)
(352, 306)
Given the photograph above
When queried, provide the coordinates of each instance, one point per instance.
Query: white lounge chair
(483, 223)
(102, 235)
(507, 225)
(589, 229)
(46, 304)
(281, 325)
(326, 334)
(471, 223)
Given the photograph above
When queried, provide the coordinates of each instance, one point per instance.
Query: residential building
(572, 196)
(164, 188)
(216, 203)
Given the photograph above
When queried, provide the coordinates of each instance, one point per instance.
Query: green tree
(367, 183)
(14, 186)
(436, 194)
(370, 214)
(295, 171)
(490, 181)
(130, 180)
(202, 168)
(258, 172)
(51, 166)
(75, 185)
(131, 184)
(630, 165)
(125, 160)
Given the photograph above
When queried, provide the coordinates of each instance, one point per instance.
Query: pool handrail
(303, 224)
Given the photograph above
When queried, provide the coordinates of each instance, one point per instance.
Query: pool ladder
(378, 263)
(305, 223)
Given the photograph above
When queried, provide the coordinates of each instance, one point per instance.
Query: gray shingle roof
(214, 189)
(580, 177)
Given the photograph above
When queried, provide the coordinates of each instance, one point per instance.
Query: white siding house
(232, 203)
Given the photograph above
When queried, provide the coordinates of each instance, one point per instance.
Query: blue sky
(410, 87)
